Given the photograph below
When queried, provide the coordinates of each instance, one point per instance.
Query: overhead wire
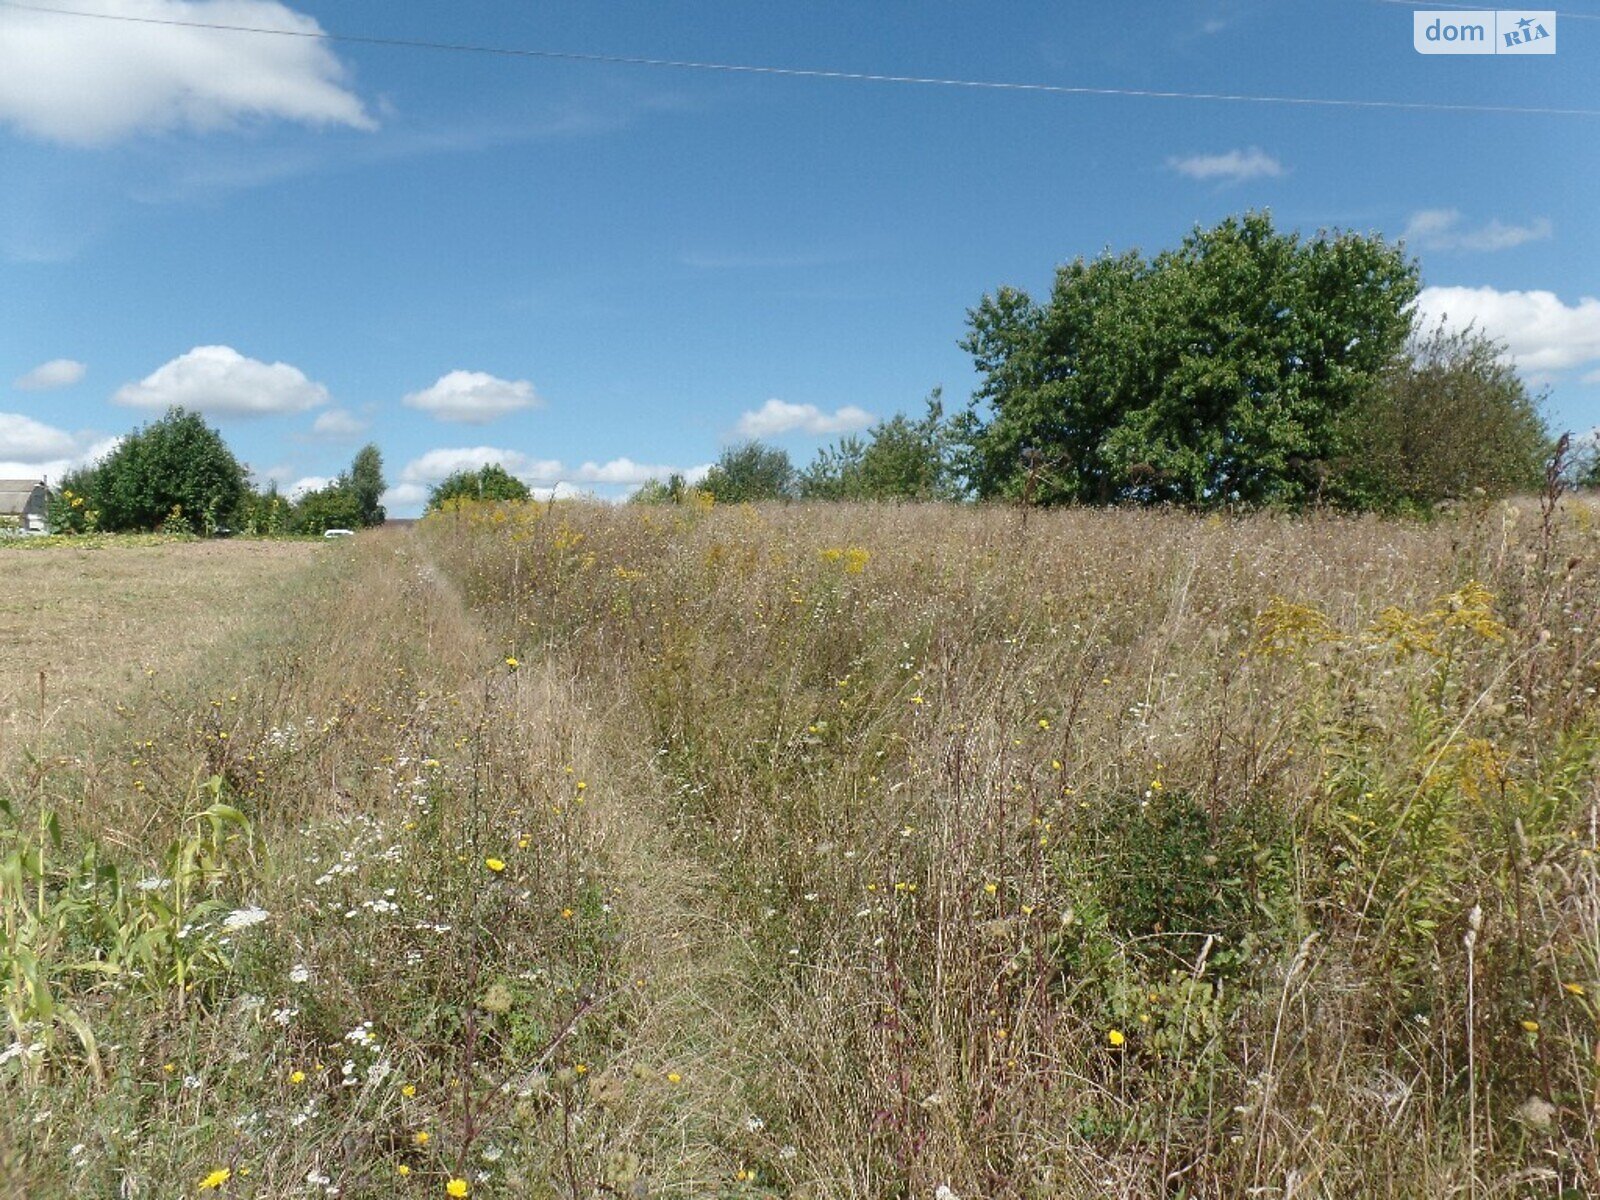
(1423, 4)
(806, 72)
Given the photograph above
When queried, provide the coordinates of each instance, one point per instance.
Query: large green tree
(178, 467)
(750, 471)
(1219, 372)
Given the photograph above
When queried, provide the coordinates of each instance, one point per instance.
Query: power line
(810, 72)
(1448, 6)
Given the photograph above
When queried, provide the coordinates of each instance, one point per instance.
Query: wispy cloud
(1233, 166)
(337, 425)
(57, 373)
(1442, 229)
(66, 79)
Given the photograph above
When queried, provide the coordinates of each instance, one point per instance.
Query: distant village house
(24, 504)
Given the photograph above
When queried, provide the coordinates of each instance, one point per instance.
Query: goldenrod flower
(216, 1179)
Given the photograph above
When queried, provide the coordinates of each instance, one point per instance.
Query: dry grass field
(93, 621)
(907, 852)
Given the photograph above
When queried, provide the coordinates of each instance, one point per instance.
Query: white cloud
(435, 465)
(1234, 166)
(625, 472)
(221, 381)
(30, 449)
(22, 438)
(281, 475)
(1541, 332)
(87, 82)
(1441, 229)
(473, 397)
(405, 495)
(57, 373)
(306, 483)
(544, 476)
(778, 416)
(337, 423)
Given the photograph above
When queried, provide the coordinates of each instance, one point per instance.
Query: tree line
(1247, 367)
(177, 474)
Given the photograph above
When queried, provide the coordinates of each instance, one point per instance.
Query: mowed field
(91, 622)
(809, 851)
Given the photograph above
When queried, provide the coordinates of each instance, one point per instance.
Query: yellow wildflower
(494, 864)
(297, 1076)
(456, 1187)
(216, 1179)
(420, 1137)
(1116, 1037)
(1531, 1026)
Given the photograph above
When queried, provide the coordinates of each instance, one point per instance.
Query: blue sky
(591, 272)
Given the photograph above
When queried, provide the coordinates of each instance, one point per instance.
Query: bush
(1451, 418)
(489, 482)
(749, 472)
(177, 463)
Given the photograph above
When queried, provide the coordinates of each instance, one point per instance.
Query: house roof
(15, 494)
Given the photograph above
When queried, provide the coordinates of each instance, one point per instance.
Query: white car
(338, 533)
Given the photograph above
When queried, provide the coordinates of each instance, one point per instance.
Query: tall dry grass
(1117, 853)
(833, 852)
